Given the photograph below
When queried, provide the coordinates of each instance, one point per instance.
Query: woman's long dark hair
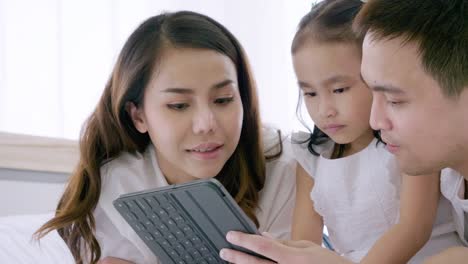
(109, 130)
(328, 21)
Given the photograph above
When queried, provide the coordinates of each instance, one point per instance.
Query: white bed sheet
(18, 246)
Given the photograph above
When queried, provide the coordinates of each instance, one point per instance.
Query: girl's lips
(333, 128)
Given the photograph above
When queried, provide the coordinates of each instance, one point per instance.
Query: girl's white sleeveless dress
(358, 198)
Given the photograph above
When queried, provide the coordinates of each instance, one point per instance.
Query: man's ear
(137, 116)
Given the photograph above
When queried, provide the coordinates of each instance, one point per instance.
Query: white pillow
(18, 246)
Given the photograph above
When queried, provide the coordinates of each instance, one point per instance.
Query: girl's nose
(327, 109)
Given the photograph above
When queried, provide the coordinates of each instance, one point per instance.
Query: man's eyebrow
(190, 91)
(386, 89)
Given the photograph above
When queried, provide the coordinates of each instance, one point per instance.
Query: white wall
(20, 197)
(56, 55)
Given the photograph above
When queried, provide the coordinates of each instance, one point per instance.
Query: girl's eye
(224, 100)
(179, 107)
(340, 90)
(310, 94)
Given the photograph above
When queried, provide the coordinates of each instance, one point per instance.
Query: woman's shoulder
(280, 163)
(273, 139)
(125, 161)
(129, 172)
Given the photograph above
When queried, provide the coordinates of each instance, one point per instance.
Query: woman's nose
(204, 121)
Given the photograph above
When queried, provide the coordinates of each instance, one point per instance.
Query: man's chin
(414, 169)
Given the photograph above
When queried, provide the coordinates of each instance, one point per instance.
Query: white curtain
(56, 55)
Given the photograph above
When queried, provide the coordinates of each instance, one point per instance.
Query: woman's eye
(224, 100)
(181, 106)
(340, 90)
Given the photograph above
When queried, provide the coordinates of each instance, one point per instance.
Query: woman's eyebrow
(179, 90)
(223, 83)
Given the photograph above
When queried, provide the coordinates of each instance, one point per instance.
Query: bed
(33, 173)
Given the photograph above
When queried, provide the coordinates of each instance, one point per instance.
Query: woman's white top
(130, 173)
(358, 198)
(453, 188)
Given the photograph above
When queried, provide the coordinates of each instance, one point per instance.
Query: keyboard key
(180, 248)
(162, 199)
(131, 216)
(162, 227)
(140, 227)
(154, 216)
(143, 205)
(152, 202)
(149, 224)
(203, 250)
(211, 260)
(165, 244)
(195, 254)
(173, 254)
(171, 223)
(171, 238)
(121, 205)
(188, 258)
(135, 209)
(170, 208)
(179, 234)
(148, 237)
(179, 220)
(187, 230)
(195, 240)
(188, 244)
(162, 213)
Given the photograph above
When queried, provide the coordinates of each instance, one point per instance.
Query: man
(415, 60)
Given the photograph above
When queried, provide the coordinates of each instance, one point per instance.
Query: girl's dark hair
(109, 130)
(327, 21)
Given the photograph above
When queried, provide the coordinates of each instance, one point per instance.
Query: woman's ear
(137, 116)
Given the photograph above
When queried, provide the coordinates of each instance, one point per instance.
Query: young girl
(346, 180)
(180, 105)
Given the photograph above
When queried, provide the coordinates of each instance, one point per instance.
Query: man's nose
(378, 116)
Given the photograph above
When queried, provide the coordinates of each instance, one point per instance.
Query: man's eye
(181, 106)
(224, 100)
(394, 103)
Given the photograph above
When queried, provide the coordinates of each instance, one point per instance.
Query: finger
(234, 256)
(266, 234)
(299, 243)
(267, 247)
(292, 243)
